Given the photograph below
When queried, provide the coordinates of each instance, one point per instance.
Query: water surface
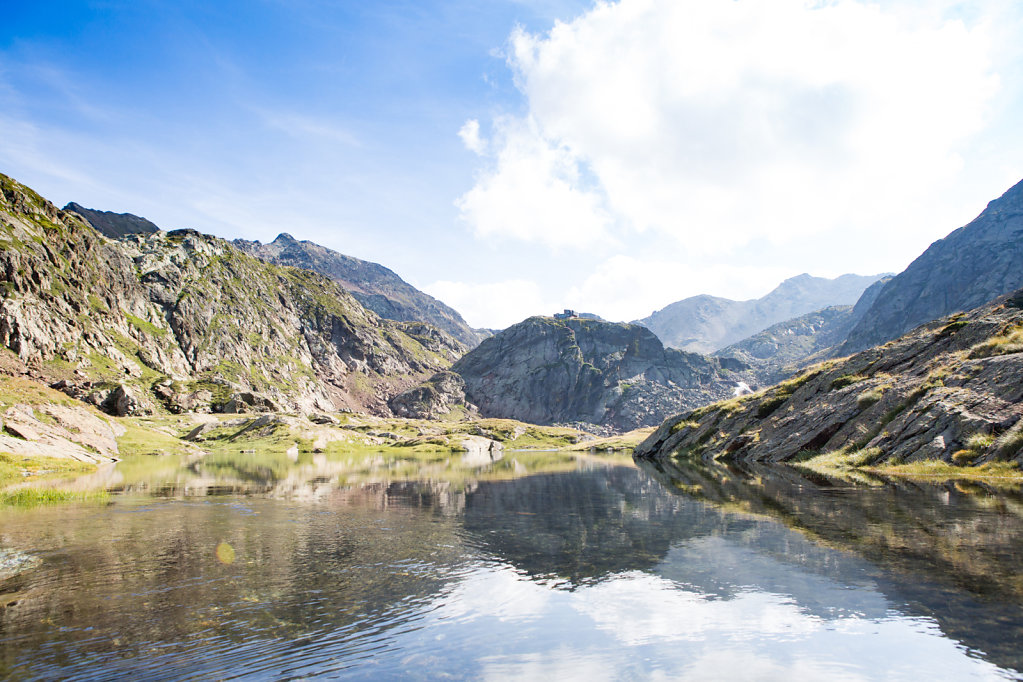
(537, 566)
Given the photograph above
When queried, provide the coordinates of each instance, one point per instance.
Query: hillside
(703, 324)
(950, 391)
(184, 321)
(544, 370)
(967, 268)
(373, 285)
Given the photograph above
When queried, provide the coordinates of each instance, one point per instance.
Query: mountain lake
(536, 566)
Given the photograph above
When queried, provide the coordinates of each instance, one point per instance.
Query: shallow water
(586, 570)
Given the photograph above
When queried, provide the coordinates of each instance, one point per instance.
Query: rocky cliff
(950, 390)
(703, 324)
(545, 371)
(967, 268)
(186, 321)
(373, 285)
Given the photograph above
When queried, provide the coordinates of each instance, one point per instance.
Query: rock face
(376, 287)
(113, 225)
(703, 324)
(188, 321)
(949, 390)
(548, 371)
(776, 352)
(969, 267)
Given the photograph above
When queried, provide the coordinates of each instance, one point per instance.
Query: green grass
(145, 326)
(138, 440)
(14, 468)
(33, 497)
(869, 397)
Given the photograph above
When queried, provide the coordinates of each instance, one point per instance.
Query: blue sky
(516, 157)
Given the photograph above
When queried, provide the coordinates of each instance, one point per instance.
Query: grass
(15, 468)
(846, 380)
(1010, 341)
(34, 497)
(869, 397)
(138, 440)
(934, 468)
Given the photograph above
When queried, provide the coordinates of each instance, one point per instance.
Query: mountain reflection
(367, 569)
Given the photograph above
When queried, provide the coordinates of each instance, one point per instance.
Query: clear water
(536, 567)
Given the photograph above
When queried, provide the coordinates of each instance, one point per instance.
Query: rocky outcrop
(188, 322)
(442, 396)
(113, 225)
(703, 324)
(967, 268)
(547, 371)
(373, 285)
(950, 390)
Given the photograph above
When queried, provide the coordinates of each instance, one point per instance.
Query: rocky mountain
(781, 349)
(373, 285)
(185, 321)
(545, 370)
(703, 324)
(776, 352)
(969, 267)
(113, 225)
(949, 390)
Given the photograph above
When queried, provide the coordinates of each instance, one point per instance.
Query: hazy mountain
(703, 324)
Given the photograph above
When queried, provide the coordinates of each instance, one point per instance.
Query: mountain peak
(284, 238)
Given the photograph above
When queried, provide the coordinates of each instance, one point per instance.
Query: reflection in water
(591, 572)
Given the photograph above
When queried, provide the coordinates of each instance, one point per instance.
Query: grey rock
(969, 267)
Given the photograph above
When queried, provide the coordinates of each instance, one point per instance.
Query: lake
(537, 566)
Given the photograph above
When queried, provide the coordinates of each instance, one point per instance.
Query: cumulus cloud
(535, 192)
(715, 123)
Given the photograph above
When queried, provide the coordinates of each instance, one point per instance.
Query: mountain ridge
(705, 323)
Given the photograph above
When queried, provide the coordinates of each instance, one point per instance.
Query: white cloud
(494, 305)
(535, 192)
(470, 134)
(716, 123)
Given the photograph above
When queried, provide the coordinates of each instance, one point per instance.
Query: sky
(517, 157)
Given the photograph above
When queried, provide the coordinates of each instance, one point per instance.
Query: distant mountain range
(191, 322)
(704, 324)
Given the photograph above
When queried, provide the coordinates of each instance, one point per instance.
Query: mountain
(949, 390)
(974, 264)
(373, 285)
(545, 370)
(781, 349)
(113, 225)
(187, 322)
(703, 324)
